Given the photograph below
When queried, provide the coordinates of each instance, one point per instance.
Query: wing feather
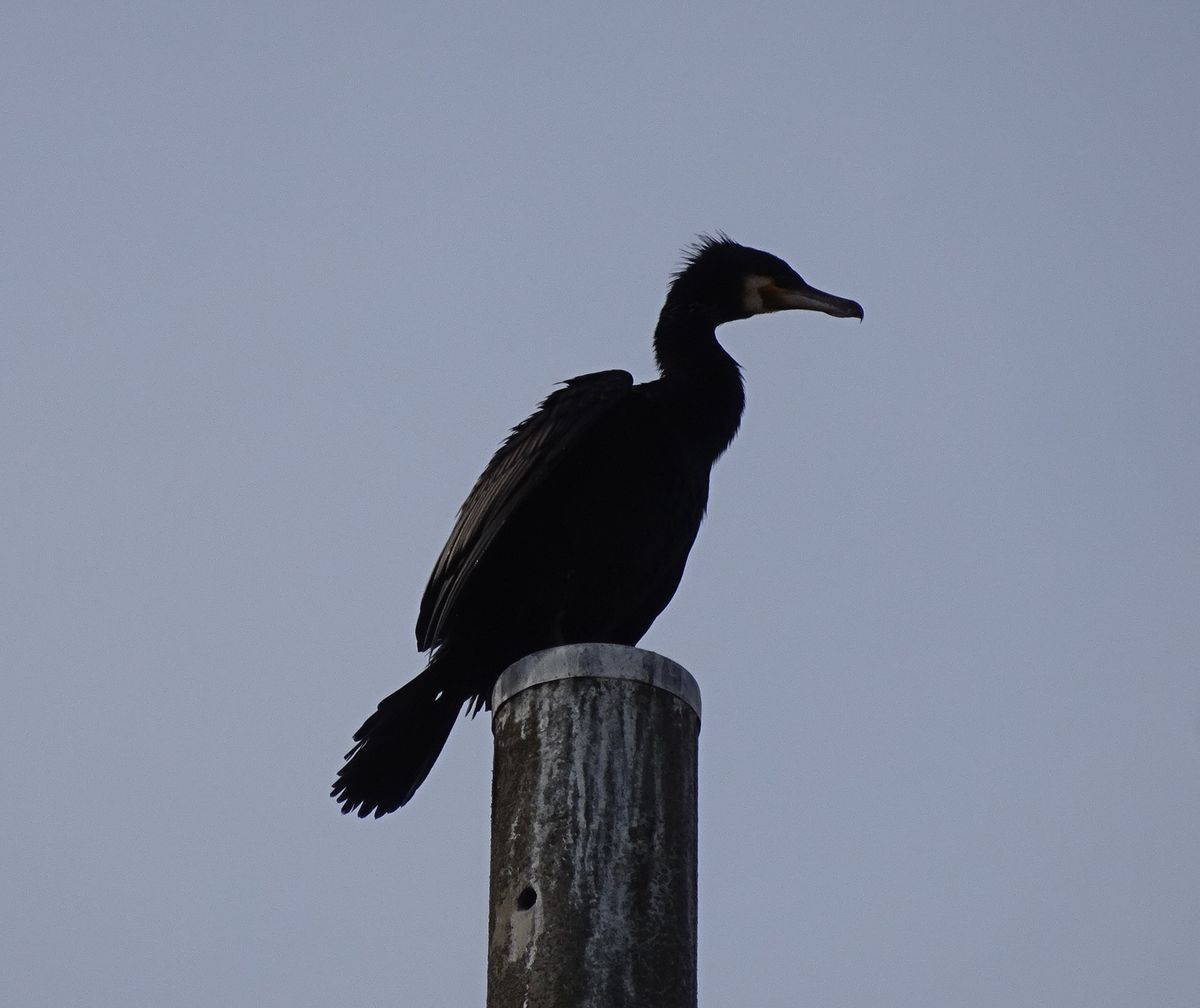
(519, 467)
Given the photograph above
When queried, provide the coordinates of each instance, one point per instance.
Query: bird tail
(397, 745)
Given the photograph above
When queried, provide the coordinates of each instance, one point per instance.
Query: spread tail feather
(397, 745)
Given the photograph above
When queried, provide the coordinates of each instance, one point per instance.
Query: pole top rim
(597, 661)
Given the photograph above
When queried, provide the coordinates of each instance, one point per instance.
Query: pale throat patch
(752, 288)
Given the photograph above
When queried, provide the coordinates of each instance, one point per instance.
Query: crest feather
(704, 243)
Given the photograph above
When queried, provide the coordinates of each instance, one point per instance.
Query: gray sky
(277, 279)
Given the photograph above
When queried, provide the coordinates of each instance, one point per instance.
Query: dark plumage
(580, 526)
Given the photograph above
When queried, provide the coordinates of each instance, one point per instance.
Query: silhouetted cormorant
(580, 526)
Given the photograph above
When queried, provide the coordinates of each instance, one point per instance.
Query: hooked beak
(775, 298)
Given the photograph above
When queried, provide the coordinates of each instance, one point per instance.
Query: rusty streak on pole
(593, 891)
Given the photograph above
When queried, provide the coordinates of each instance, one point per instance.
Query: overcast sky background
(277, 279)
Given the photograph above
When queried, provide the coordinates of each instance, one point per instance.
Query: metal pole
(593, 891)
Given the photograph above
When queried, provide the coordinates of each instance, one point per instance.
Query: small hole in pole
(527, 898)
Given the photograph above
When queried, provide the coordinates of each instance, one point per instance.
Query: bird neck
(701, 381)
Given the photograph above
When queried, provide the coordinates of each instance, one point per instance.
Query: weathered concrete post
(593, 892)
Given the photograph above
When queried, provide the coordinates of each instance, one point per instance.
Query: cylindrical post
(593, 892)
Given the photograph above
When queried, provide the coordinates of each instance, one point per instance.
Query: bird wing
(519, 467)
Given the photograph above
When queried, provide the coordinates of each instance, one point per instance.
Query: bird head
(727, 281)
